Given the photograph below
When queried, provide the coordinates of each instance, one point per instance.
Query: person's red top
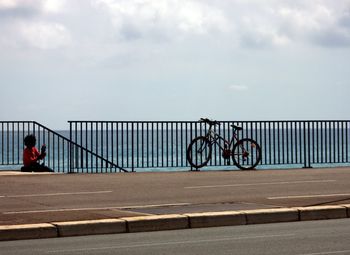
(30, 156)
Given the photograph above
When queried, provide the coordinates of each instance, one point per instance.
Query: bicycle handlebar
(209, 122)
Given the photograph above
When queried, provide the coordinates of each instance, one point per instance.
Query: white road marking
(325, 253)
(170, 243)
(60, 194)
(311, 196)
(258, 184)
(96, 208)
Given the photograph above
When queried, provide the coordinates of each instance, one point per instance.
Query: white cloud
(238, 87)
(44, 35)
(164, 19)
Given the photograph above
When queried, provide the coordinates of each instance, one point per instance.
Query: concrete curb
(272, 215)
(172, 222)
(216, 219)
(90, 227)
(156, 223)
(323, 212)
(28, 231)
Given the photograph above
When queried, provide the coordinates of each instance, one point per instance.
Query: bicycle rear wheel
(246, 154)
(199, 152)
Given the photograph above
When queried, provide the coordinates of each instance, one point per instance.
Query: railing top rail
(195, 121)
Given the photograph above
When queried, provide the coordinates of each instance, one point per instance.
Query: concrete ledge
(90, 227)
(322, 212)
(156, 223)
(272, 215)
(28, 231)
(172, 221)
(216, 219)
(347, 206)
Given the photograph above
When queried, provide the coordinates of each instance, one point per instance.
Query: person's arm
(38, 156)
(43, 152)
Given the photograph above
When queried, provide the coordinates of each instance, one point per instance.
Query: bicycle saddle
(236, 127)
(210, 122)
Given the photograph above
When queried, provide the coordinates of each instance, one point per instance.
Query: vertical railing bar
(157, 142)
(317, 143)
(107, 147)
(8, 143)
(147, 142)
(13, 142)
(347, 140)
(162, 142)
(325, 134)
(152, 145)
(2, 142)
(81, 144)
(96, 149)
(142, 143)
(53, 153)
(86, 145)
(102, 145)
(335, 142)
(91, 146)
(172, 142)
(137, 145)
(18, 141)
(278, 142)
(338, 140)
(127, 144)
(181, 144)
(309, 143)
(176, 145)
(343, 142)
(167, 143)
(112, 144)
(118, 144)
(132, 148)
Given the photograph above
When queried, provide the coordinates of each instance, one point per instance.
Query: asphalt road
(298, 238)
(36, 198)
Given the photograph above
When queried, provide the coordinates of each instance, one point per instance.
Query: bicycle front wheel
(246, 154)
(199, 152)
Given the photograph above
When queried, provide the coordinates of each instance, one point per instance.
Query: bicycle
(245, 152)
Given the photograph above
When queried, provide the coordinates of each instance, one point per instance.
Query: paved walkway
(27, 198)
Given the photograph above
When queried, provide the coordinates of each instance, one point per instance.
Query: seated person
(31, 156)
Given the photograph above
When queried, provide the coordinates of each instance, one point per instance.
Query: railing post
(70, 149)
(307, 149)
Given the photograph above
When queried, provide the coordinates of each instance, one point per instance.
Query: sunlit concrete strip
(96, 208)
(60, 194)
(311, 196)
(258, 184)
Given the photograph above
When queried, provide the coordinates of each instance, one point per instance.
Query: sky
(233, 60)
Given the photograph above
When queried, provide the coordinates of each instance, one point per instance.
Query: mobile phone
(43, 148)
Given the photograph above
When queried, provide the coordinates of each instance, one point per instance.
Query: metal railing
(60, 149)
(112, 146)
(162, 144)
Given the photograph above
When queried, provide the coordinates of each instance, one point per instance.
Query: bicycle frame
(215, 138)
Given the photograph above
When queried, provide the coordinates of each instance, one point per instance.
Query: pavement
(44, 205)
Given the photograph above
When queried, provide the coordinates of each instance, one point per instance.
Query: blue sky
(174, 60)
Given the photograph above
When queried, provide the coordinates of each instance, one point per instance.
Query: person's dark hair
(30, 141)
